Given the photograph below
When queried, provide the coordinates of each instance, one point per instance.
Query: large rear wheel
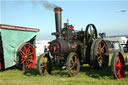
(99, 54)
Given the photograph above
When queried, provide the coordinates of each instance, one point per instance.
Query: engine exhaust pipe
(58, 21)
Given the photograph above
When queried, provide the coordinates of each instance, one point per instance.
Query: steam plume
(48, 5)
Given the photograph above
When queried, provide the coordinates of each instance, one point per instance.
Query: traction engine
(72, 49)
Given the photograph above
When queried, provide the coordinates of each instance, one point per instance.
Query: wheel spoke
(42, 65)
(90, 29)
(100, 45)
(28, 48)
(118, 65)
(30, 61)
(22, 53)
(99, 58)
(30, 54)
(102, 49)
(98, 53)
(93, 34)
(30, 57)
(72, 63)
(45, 71)
(25, 49)
(99, 50)
(71, 67)
(118, 72)
(91, 37)
(75, 60)
(22, 60)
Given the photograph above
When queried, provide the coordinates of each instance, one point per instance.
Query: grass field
(87, 76)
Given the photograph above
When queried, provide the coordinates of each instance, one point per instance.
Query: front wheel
(44, 64)
(73, 64)
(118, 65)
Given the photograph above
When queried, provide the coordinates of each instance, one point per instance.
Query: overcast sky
(108, 16)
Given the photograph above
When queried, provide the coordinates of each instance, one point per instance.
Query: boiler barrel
(62, 47)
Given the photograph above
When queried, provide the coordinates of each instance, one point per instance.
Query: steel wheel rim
(44, 65)
(102, 51)
(119, 66)
(28, 56)
(74, 65)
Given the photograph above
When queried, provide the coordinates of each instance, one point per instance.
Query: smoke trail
(48, 5)
(123, 11)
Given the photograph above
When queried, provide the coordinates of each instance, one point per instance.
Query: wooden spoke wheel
(90, 34)
(118, 65)
(44, 64)
(27, 56)
(72, 64)
(99, 54)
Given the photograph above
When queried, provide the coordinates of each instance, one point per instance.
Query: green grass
(87, 76)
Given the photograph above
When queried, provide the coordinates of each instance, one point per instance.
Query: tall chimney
(58, 21)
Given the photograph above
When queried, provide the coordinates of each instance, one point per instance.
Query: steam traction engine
(73, 48)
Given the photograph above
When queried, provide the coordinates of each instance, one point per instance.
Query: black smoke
(47, 5)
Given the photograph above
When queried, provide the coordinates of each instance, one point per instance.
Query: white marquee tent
(40, 44)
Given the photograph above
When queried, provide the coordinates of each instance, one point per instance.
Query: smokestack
(58, 21)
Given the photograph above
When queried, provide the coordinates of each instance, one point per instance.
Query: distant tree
(102, 35)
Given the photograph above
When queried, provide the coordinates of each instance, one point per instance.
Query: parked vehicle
(17, 46)
(73, 48)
